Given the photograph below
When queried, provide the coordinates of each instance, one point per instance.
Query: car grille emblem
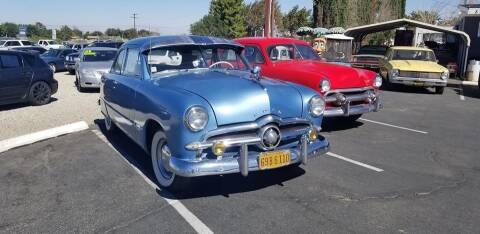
(341, 99)
(270, 136)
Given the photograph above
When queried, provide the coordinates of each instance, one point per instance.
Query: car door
(14, 77)
(127, 84)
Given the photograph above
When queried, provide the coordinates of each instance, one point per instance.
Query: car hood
(97, 66)
(341, 77)
(236, 98)
(415, 65)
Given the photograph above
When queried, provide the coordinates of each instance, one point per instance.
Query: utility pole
(134, 17)
(268, 18)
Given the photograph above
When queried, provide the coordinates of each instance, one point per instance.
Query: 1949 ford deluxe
(199, 109)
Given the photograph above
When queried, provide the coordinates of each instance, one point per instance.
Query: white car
(5, 44)
(49, 44)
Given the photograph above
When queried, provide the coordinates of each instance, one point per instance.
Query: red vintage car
(349, 92)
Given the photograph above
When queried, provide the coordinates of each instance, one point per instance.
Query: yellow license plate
(274, 159)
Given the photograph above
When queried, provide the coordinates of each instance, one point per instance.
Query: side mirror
(256, 72)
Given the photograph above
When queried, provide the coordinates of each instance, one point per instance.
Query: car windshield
(51, 53)
(185, 58)
(422, 55)
(25, 43)
(2, 42)
(373, 50)
(98, 55)
(292, 52)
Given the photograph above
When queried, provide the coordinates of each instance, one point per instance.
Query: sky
(163, 16)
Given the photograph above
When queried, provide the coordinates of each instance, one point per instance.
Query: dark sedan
(70, 61)
(55, 58)
(24, 77)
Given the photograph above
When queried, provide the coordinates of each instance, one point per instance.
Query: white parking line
(462, 97)
(355, 162)
(394, 126)
(41, 135)
(195, 222)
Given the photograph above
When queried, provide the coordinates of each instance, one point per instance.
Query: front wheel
(439, 90)
(109, 124)
(40, 93)
(79, 85)
(160, 153)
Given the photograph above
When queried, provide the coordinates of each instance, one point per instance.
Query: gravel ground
(67, 106)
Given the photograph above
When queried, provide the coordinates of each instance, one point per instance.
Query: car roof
(409, 48)
(100, 48)
(266, 41)
(146, 43)
(20, 52)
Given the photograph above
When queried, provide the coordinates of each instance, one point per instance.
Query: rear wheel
(71, 72)
(160, 154)
(439, 90)
(78, 84)
(109, 124)
(40, 93)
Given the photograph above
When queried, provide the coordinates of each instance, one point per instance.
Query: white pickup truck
(49, 44)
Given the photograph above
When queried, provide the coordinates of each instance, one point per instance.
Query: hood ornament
(256, 73)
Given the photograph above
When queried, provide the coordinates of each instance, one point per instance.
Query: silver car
(92, 64)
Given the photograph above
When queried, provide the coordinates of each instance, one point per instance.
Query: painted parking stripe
(394, 126)
(15, 142)
(193, 220)
(355, 162)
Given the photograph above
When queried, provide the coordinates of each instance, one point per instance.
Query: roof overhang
(393, 24)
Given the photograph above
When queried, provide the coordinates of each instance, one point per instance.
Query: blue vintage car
(197, 107)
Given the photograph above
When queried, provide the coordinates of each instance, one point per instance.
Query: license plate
(274, 159)
(419, 83)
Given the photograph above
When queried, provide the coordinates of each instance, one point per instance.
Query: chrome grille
(288, 131)
(353, 95)
(424, 75)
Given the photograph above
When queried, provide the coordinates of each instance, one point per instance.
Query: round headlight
(196, 118)
(378, 81)
(445, 75)
(395, 73)
(317, 106)
(325, 85)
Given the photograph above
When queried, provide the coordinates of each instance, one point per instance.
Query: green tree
(38, 31)
(77, 32)
(227, 16)
(255, 17)
(9, 29)
(205, 26)
(65, 33)
(429, 17)
(130, 33)
(296, 18)
(113, 32)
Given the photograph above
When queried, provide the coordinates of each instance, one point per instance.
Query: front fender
(167, 107)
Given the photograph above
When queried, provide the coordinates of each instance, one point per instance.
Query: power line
(135, 17)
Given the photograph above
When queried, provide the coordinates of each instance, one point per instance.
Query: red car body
(352, 91)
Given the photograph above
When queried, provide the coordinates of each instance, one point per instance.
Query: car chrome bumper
(347, 109)
(89, 81)
(70, 66)
(419, 82)
(245, 161)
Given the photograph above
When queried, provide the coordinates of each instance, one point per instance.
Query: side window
(132, 63)
(253, 55)
(118, 64)
(10, 61)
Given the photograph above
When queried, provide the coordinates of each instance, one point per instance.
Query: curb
(15, 142)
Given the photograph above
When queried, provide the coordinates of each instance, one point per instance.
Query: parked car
(49, 44)
(348, 92)
(70, 62)
(79, 46)
(110, 44)
(413, 66)
(7, 44)
(369, 57)
(208, 115)
(31, 49)
(92, 64)
(24, 77)
(55, 58)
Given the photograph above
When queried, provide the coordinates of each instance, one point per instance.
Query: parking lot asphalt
(425, 145)
(67, 106)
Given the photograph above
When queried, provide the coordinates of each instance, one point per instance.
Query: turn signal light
(312, 134)
(218, 148)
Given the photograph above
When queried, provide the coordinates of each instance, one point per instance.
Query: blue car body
(56, 58)
(238, 105)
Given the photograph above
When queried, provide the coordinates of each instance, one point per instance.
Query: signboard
(473, 11)
(54, 34)
(22, 31)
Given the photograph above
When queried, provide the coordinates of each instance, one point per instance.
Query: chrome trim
(303, 150)
(349, 90)
(254, 125)
(410, 81)
(229, 142)
(248, 161)
(347, 109)
(261, 135)
(351, 98)
(185, 118)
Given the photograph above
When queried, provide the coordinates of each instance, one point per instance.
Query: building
(470, 24)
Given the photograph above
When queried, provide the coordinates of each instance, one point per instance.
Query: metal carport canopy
(359, 32)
